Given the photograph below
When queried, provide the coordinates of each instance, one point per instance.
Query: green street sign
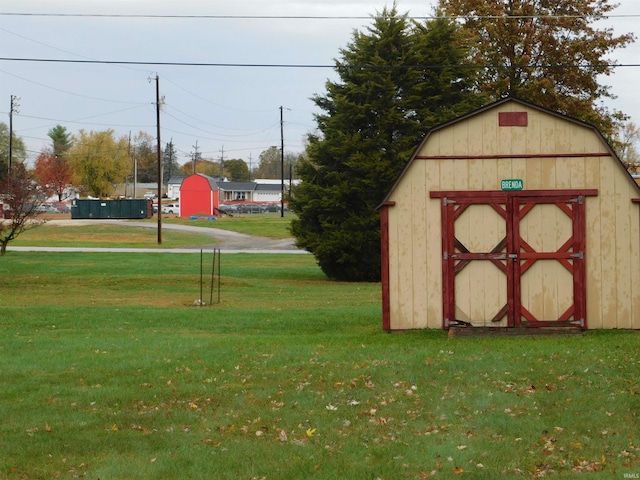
(511, 184)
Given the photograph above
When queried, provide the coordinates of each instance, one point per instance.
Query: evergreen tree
(397, 80)
(170, 165)
(62, 140)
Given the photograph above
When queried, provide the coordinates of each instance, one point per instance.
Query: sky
(229, 108)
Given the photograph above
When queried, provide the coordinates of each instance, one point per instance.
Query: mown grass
(116, 235)
(270, 225)
(119, 235)
(108, 373)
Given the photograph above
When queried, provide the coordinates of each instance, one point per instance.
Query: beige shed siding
(612, 222)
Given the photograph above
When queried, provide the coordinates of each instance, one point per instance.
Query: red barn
(199, 196)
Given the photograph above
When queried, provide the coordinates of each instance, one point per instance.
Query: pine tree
(397, 79)
(170, 165)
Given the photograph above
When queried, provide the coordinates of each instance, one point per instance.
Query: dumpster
(115, 209)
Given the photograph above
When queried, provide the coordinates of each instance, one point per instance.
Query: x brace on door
(513, 255)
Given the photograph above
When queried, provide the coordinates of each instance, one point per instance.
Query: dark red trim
(511, 155)
(635, 200)
(384, 261)
(448, 277)
(513, 255)
(501, 194)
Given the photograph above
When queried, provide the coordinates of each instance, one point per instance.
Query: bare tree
(22, 198)
(627, 141)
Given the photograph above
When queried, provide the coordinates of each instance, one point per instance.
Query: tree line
(95, 161)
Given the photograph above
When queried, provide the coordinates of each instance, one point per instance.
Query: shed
(512, 216)
(199, 195)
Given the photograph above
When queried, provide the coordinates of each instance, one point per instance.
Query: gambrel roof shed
(513, 215)
(199, 195)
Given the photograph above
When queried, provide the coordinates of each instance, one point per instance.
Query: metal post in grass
(219, 262)
(213, 277)
(200, 277)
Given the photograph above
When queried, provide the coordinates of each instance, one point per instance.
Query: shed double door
(514, 258)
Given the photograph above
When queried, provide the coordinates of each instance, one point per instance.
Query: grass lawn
(109, 372)
(119, 235)
(116, 235)
(270, 225)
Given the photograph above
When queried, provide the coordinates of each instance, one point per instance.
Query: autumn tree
(99, 161)
(397, 80)
(22, 198)
(236, 170)
(52, 169)
(205, 167)
(548, 52)
(270, 163)
(145, 150)
(53, 174)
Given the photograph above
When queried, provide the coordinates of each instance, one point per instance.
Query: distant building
(199, 195)
(173, 186)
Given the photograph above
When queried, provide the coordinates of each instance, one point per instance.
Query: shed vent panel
(513, 119)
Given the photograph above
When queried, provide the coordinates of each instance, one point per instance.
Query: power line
(303, 65)
(75, 94)
(300, 17)
(171, 64)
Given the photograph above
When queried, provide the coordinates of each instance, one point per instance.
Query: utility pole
(12, 110)
(159, 160)
(281, 164)
(222, 163)
(249, 166)
(195, 157)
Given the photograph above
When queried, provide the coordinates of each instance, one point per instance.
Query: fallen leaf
(458, 470)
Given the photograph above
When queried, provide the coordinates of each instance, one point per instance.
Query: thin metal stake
(219, 262)
(213, 277)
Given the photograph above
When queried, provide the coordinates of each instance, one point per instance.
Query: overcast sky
(228, 110)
